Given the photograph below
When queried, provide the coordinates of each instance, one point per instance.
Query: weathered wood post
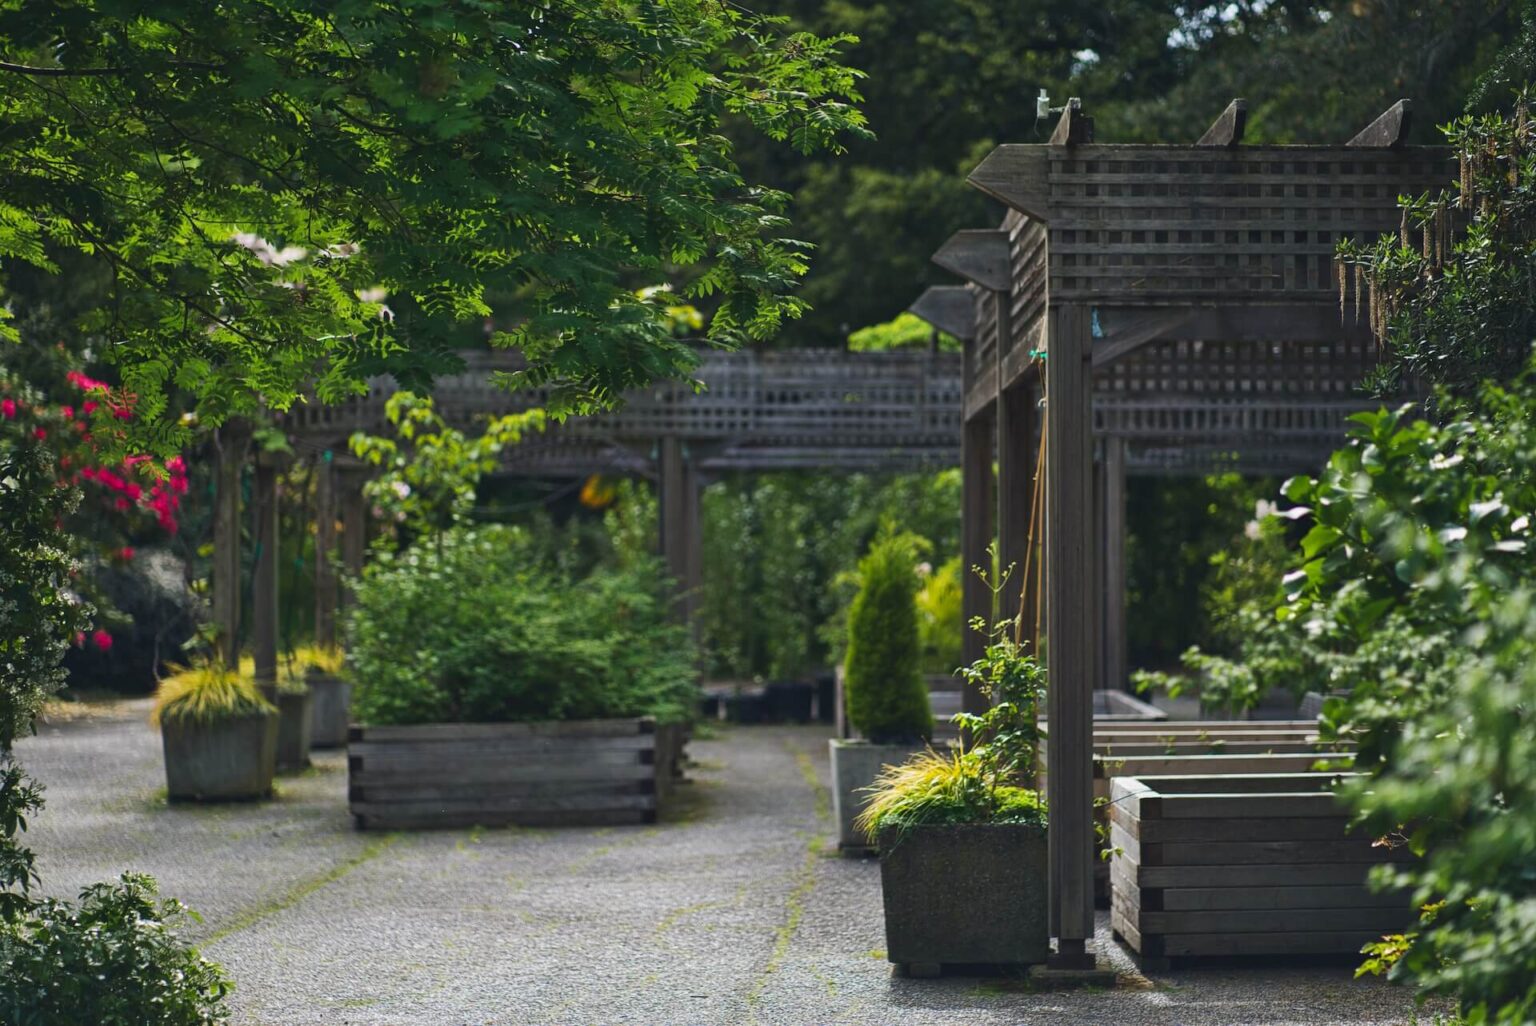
(354, 524)
(264, 588)
(326, 585)
(1072, 596)
(679, 521)
(1115, 659)
(977, 509)
(231, 442)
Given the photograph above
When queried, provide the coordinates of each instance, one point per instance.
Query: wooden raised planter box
(575, 773)
(1260, 864)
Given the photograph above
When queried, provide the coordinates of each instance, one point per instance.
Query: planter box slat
(1284, 920)
(1217, 945)
(597, 772)
(1177, 899)
(579, 793)
(493, 731)
(1211, 829)
(1116, 765)
(506, 804)
(532, 747)
(1146, 877)
(520, 772)
(1248, 873)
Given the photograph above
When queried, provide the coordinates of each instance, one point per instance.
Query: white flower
(377, 294)
(401, 489)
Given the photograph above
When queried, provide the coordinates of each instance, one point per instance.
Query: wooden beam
(1227, 130)
(264, 587)
(1390, 130)
(327, 591)
(232, 441)
(1133, 335)
(950, 308)
(1072, 628)
(1114, 642)
(979, 255)
(1279, 322)
(977, 529)
(1075, 128)
(1018, 176)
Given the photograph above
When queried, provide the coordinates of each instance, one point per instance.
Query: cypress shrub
(886, 696)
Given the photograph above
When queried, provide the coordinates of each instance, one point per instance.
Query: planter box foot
(1052, 977)
(920, 970)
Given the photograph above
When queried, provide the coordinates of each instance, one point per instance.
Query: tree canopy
(293, 194)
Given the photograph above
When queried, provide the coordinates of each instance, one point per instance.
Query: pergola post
(1071, 629)
(326, 585)
(1115, 659)
(976, 533)
(264, 589)
(1016, 433)
(232, 440)
(354, 526)
(677, 501)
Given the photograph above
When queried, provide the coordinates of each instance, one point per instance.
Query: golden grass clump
(327, 659)
(206, 693)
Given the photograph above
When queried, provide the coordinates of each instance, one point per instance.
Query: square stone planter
(226, 760)
(965, 897)
(855, 764)
(572, 773)
(330, 708)
(293, 730)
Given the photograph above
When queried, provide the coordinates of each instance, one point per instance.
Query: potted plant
(220, 735)
(884, 690)
(324, 670)
(962, 836)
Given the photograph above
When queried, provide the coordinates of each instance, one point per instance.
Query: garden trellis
(1167, 307)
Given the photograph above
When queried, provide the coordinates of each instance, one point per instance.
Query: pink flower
(39, 433)
(122, 505)
(176, 465)
(8, 408)
(68, 412)
(125, 553)
(134, 491)
(89, 406)
(79, 639)
(102, 640)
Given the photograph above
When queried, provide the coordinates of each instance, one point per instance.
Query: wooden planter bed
(1207, 748)
(576, 773)
(1259, 864)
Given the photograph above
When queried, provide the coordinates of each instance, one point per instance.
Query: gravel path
(733, 911)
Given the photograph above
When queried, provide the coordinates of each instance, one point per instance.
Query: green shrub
(941, 618)
(110, 960)
(884, 687)
(483, 626)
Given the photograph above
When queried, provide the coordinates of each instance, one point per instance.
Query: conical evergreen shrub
(887, 699)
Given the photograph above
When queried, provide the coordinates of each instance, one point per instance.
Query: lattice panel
(1027, 257)
(789, 400)
(1323, 370)
(1175, 223)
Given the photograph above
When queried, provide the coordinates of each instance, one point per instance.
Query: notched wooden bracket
(1389, 131)
(950, 308)
(979, 255)
(1227, 130)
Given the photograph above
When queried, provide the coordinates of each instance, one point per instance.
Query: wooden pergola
(825, 410)
(1168, 308)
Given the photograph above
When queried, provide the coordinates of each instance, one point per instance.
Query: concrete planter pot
(330, 708)
(228, 760)
(965, 896)
(293, 730)
(855, 764)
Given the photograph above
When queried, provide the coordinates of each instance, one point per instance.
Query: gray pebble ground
(735, 911)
